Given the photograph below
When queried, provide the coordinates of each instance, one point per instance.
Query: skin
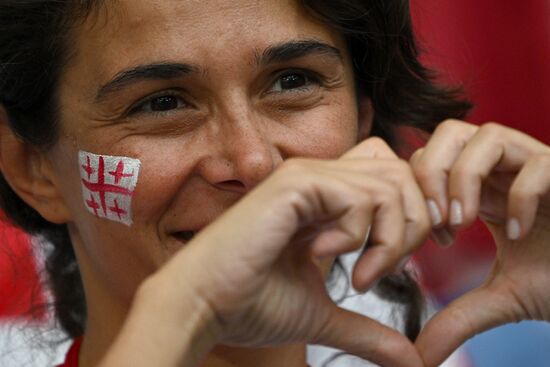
(231, 127)
(232, 130)
(229, 140)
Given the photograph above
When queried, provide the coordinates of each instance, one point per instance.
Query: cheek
(326, 132)
(164, 172)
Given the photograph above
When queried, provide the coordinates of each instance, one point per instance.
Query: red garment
(71, 360)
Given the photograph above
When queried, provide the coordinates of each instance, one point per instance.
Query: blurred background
(499, 51)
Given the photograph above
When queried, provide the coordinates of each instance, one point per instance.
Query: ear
(365, 117)
(30, 175)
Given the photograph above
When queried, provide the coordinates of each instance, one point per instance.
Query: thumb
(363, 337)
(479, 310)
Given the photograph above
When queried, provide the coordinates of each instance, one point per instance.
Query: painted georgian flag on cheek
(108, 185)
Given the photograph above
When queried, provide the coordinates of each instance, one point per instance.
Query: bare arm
(164, 328)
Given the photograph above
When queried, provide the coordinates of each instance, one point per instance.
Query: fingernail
(513, 229)
(442, 236)
(435, 214)
(456, 213)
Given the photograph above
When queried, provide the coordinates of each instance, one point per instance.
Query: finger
(532, 183)
(493, 147)
(348, 229)
(417, 218)
(387, 237)
(440, 234)
(377, 204)
(369, 340)
(432, 165)
(416, 156)
(373, 147)
(475, 312)
(494, 202)
(417, 221)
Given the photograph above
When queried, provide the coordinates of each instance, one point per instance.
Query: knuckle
(456, 129)
(492, 130)
(415, 157)
(378, 144)
(377, 141)
(449, 125)
(423, 173)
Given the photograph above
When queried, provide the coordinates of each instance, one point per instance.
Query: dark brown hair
(35, 45)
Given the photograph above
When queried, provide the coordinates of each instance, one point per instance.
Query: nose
(242, 153)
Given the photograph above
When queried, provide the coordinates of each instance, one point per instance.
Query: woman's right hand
(257, 266)
(253, 277)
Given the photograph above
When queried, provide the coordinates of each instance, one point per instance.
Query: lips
(185, 231)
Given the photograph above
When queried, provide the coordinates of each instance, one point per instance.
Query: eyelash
(140, 107)
(311, 78)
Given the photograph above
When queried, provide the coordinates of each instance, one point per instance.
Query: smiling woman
(136, 125)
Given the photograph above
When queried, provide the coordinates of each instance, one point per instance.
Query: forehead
(129, 32)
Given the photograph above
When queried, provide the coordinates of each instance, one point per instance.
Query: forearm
(160, 331)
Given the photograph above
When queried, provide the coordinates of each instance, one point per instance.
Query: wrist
(166, 326)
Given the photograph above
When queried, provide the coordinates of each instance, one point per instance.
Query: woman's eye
(162, 103)
(290, 81)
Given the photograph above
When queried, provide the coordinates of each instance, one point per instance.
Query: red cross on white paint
(87, 168)
(92, 204)
(118, 211)
(108, 184)
(119, 172)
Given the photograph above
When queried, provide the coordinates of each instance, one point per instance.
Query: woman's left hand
(502, 176)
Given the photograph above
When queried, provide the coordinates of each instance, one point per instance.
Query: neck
(103, 327)
(106, 313)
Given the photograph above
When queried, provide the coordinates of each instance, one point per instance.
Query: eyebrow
(166, 70)
(295, 49)
(155, 71)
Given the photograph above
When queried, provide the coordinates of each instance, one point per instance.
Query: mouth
(183, 233)
(184, 236)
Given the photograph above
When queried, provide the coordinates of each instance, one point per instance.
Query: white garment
(368, 304)
(24, 344)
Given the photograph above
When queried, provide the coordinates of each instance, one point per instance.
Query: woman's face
(210, 96)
